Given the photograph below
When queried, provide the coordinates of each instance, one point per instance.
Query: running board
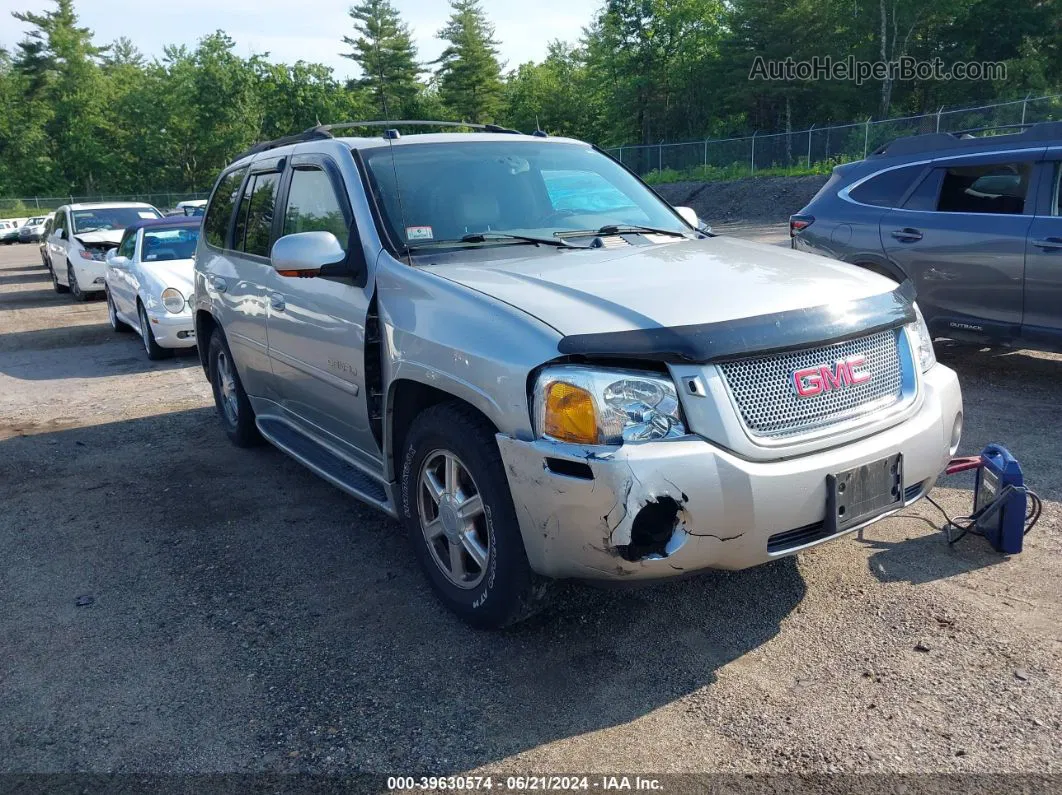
(336, 470)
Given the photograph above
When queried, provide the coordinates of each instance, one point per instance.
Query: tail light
(798, 223)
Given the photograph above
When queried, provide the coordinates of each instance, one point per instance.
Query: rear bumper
(716, 510)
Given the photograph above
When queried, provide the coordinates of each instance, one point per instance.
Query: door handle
(907, 235)
(276, 301)
(218, 284)
(1049, 244)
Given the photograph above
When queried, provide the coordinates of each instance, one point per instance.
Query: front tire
(59, 288)
(461, 521)
(234, 409)
(75, 288)
(112, 316)
(154, 351)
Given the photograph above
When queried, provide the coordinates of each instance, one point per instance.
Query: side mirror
(305, 253)
(689, 215)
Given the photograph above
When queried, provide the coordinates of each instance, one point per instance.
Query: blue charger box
(1004, 527)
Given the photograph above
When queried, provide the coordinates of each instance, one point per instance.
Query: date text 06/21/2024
(524, 783)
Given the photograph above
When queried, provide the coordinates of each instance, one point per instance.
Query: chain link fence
(37, 205)
(825, 145)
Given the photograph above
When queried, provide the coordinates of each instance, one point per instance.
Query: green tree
(469, 74)
(384, 50)
(61, 64)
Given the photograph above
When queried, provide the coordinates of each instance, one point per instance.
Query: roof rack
(324, 131)
(964, 139)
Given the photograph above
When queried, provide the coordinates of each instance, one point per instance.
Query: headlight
(922, 340)
(97, 254)
(173, 300)
(590, 406)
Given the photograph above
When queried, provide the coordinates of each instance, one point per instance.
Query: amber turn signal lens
(570, 415)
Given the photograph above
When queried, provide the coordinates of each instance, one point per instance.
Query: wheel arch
(407, 397)
(205, 326)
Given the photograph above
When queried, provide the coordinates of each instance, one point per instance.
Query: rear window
(888, 188)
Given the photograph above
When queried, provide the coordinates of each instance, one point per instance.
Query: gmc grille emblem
(811, 381)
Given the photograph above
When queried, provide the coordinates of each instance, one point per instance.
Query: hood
(714, 280)
(102, 236)
(176, 273)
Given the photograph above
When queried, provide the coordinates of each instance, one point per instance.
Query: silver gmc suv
(515, 347)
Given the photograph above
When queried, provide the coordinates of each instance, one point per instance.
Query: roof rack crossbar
(495, 128)
(323, 131)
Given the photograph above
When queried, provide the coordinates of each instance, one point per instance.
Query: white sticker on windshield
(144, 214)
(419, 233)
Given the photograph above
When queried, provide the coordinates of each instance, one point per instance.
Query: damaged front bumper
(661, 509)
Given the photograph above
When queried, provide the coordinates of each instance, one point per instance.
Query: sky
(309, 31)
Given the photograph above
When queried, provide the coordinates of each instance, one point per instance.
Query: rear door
(233, 281)
(317, 325)
(960, 237)
(1042, 321)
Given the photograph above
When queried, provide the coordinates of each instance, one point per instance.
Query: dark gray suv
(974, 222)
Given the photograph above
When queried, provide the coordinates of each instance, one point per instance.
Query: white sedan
(149, 283)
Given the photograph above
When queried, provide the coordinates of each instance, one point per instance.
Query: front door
(961, 238)
(317, 325)
(1043, 260)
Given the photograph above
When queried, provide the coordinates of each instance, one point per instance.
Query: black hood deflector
(733, 339)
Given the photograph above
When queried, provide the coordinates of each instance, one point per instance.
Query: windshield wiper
(487, 237)
(620, 229)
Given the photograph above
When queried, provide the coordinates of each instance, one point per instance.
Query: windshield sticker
(143, 214)
(419, 233)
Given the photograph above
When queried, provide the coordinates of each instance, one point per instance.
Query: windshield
(522, 187)
(106, 218)
(162, 244)
(35, 221)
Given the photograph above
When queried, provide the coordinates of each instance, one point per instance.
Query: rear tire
(234, 409)
(504, 589)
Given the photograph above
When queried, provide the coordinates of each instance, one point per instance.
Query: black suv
(974, 221)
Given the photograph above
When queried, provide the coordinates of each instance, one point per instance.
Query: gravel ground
(169, 603)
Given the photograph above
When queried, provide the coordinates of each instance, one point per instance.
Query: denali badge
(811, 381)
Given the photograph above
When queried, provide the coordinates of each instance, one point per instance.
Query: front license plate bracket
(863, 493)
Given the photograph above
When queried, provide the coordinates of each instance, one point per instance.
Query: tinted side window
(60, 221)
(219, 212)
(313, 206)
(888, 188)
(260, 196)
(127, 246)
(925, 196)
(999, 188)
(1056, 194)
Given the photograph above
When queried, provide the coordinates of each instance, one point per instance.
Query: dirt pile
(752, 199)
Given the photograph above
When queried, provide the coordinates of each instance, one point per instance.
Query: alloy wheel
(452, 519)
(227, 388)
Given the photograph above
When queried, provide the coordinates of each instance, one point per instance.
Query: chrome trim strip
(844, 192)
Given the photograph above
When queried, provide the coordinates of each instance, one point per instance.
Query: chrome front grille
(765, 394)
